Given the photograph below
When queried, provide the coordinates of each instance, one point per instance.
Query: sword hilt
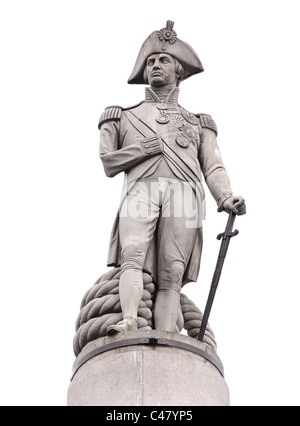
(225, 235)
(228, 233)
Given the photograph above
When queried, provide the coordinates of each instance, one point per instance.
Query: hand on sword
(235, 204)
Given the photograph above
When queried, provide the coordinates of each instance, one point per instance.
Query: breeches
(167, 210)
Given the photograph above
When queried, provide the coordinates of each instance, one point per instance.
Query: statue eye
(150, 62)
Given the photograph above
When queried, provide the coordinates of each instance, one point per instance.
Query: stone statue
(163, 150)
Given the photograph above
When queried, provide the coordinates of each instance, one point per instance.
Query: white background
(62, 63)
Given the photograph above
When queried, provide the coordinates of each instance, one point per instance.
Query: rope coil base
(101, 307)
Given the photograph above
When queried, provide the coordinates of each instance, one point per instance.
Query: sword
(225, 236)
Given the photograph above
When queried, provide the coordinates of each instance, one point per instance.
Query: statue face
(160, 69)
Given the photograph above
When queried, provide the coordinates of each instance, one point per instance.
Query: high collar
(160, 95)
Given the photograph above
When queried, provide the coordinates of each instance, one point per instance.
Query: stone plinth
(147, 368)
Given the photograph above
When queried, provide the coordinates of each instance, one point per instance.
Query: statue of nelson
(165, 151)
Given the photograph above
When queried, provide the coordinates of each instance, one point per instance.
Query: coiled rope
(100, 307)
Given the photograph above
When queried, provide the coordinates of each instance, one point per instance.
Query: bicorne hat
(166, 41)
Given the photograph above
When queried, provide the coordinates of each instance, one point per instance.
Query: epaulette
(113, 112)
(207, 122)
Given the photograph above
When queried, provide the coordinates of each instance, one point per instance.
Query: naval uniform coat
(136, 140)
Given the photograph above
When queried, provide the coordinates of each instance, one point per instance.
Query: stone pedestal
(147, 368)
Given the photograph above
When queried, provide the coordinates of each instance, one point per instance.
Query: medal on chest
(163, 117)
(190, 118)
(186, 136)
(184, 121)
